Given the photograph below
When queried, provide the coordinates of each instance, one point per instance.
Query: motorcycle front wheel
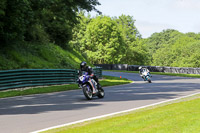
(87, 92)
(149, 79)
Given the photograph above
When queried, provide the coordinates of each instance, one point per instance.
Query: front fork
(93, 86)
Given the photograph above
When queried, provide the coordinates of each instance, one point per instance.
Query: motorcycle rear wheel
(101, 92)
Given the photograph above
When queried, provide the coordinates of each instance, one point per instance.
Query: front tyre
(87, 92)
(149, 79)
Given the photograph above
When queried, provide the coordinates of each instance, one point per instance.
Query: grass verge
(161, 73)
(110, 81)
(107, 81)
(170, 117)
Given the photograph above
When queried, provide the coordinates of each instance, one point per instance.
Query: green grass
(176, 117)
(107, 81)
(37, 90)
(161, 73)
(110, 81)
(177, 74)
(39, 56)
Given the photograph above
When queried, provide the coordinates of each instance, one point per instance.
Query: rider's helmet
(140, 67)
(83, 65)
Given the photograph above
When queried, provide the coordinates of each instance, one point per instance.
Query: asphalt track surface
(35, 112)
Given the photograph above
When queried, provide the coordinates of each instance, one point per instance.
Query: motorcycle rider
(141, 70)
(84, 67)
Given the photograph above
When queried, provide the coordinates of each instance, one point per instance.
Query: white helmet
(140, 68)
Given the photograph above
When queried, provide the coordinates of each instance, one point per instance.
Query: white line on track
(106, 115)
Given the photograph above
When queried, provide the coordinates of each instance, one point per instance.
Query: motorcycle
(89, 87)
(147, 76)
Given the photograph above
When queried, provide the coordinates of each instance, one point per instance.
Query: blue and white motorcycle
(147, 76)
(89, 87)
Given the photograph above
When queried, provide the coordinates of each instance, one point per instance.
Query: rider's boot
(98, 86)
(143, 78)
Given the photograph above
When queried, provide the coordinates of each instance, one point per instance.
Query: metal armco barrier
(185, 70)
(151, 68)
(113, 66)
(20, 78)
(98, 72)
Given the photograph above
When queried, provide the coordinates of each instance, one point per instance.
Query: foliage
(136, 51)
(15, 17)
(104, 43)
(101, 39)
(183, 52)
(36, 55)
(109, 40)
(157, 40)
(33, 33)
(78, 36)
(40, 20)
(127, 27)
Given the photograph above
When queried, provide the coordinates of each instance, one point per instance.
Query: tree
(79, 31)
(109, 40)
(58, 17)
(128, 28)
(15, 17)
(184, 52)
(157, 40)
(135, 49)
(103, 41)
(38, 20)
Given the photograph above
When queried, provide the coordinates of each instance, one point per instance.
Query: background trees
(109, 40)
(100, 39)
(136, 50)
(40, 20)
(103, 41)
(172, 48)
